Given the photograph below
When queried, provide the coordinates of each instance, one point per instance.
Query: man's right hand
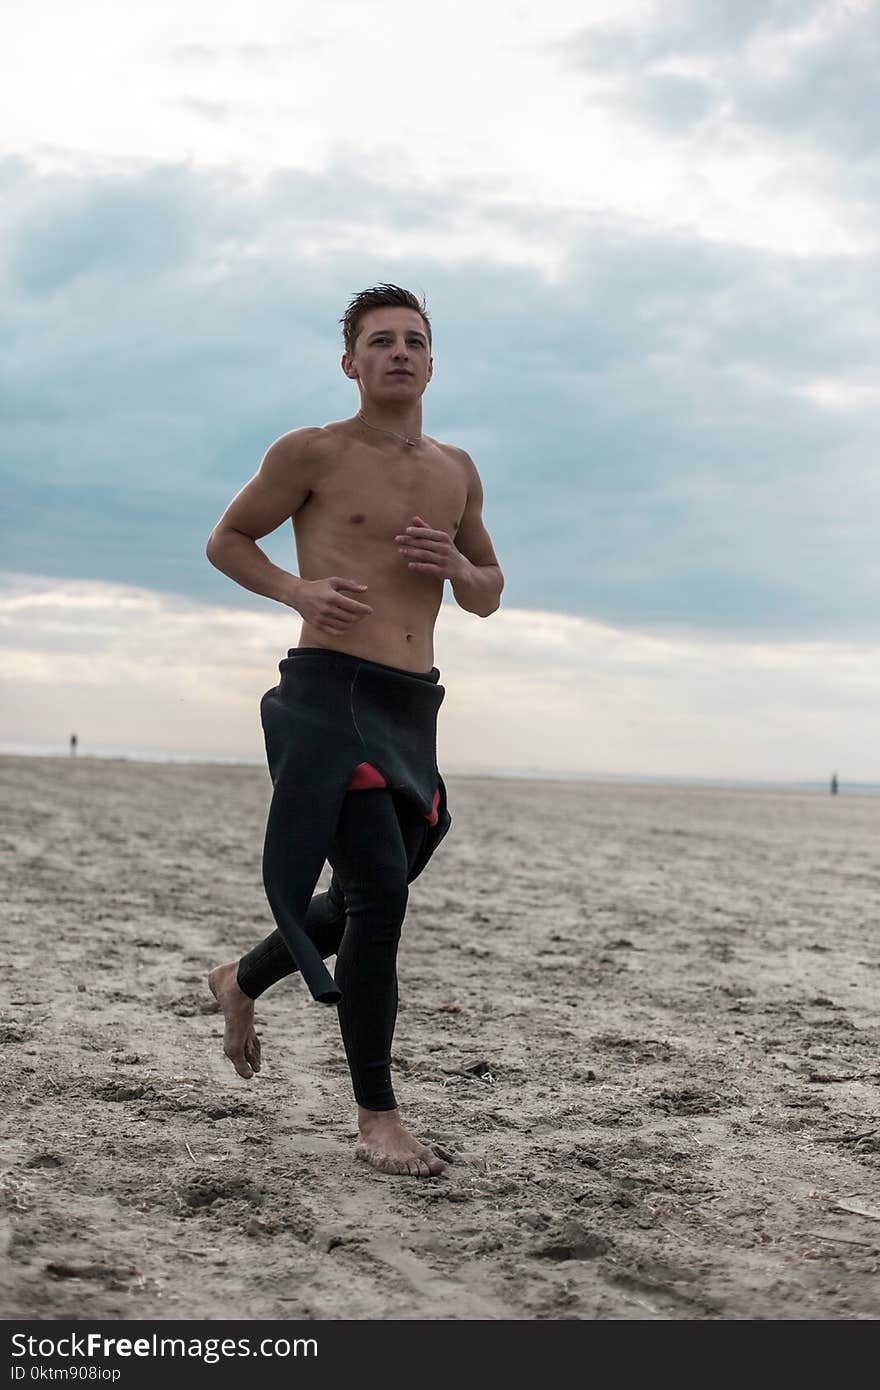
(324, 603)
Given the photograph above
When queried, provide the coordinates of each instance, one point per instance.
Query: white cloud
(134, 671)
(838, 394)
(774, 53)
(456, 96)
(841, 393)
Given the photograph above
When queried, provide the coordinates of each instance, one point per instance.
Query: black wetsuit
(334, 720)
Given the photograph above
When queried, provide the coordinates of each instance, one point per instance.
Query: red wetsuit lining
(365, 776)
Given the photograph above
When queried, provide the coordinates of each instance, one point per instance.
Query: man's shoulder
(454, 452)
(307, 436)
(310, 442)
(458, 458)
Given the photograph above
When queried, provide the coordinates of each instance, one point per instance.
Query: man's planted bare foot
(383, 1142)
(240, 1042)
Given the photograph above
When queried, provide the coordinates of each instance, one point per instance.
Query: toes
(241, 1064)
(420, 1165)
(433, 1164)
(252, 1051)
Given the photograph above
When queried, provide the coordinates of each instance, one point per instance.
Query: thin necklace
(405, 439)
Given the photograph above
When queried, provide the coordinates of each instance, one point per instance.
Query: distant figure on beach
(73, 745)
(383, 515)
(834, 784)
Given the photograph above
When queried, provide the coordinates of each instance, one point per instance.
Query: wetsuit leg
(270, 960)
(376, 840)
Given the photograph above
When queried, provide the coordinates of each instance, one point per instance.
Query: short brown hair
(379, 297)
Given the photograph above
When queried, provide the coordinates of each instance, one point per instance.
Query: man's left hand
(430, 551)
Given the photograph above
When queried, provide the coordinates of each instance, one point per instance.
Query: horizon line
(530, 773)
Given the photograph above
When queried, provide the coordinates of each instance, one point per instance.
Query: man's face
(392, 358)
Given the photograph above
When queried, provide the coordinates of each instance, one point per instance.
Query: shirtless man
(382, 515)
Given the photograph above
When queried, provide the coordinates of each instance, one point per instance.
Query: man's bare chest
(377, 496)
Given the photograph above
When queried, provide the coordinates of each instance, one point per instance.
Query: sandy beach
(641, 1022)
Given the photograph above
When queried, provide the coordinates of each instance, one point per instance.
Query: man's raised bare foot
(383, 1141)
(240, 1042)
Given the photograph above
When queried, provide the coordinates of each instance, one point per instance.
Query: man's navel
(357, 516)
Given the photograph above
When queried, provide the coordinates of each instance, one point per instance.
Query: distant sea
(536, 774)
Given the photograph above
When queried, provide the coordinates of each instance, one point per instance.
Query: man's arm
(468, 561)
(279, 488)
(477, 588)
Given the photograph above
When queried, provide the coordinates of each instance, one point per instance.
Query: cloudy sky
(648, 237)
